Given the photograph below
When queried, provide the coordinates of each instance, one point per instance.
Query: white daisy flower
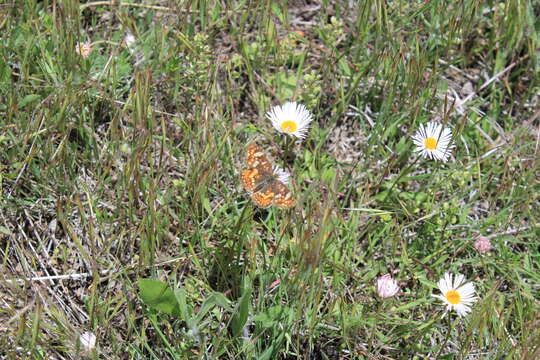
(387, 286)
(290, 118)
(282, 175)
(433, 141)
(455, 294)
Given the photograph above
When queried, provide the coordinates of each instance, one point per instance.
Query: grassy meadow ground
(122, 213)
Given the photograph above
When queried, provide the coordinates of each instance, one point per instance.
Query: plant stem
(450, 328)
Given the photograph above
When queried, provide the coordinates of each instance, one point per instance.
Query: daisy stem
(450, 328)
(289, 144)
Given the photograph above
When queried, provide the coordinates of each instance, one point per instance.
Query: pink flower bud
(482, 244)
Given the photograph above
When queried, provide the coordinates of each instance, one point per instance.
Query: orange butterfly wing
(259, 180)
(255, 158)
(250, 178)
(263, 198)
(283, 197)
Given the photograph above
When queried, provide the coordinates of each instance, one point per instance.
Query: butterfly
(262, 182)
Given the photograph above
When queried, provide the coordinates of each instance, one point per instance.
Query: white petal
(449, 280)
(467, 289)
(439, 297)
(458, 281)
(442, 285)
(462, 310)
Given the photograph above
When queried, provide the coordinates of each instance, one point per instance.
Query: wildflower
(88, 340)
(290, 118)
(83, 48)
(386, 286)
(482, 244)
(129, 39)
(433, 141)
(455, 294)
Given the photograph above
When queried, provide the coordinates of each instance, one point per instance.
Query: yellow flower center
(289, 126)
(430, 143)
(453, 297)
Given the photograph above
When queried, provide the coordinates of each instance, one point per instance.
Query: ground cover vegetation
(139, 137)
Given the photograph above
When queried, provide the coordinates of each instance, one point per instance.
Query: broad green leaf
(158, 296)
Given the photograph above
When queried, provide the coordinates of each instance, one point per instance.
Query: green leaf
(286, 86)
(185, 309)
(210, 302)
(27, 100)
(275, 314)
(5, 231)
(450, 356)
(277, 12)
(270, 353)
(242, 310)
(158, 296)
(216, 12)
(345, 69)
(328, 175)
(220, 300)
(402, 145)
